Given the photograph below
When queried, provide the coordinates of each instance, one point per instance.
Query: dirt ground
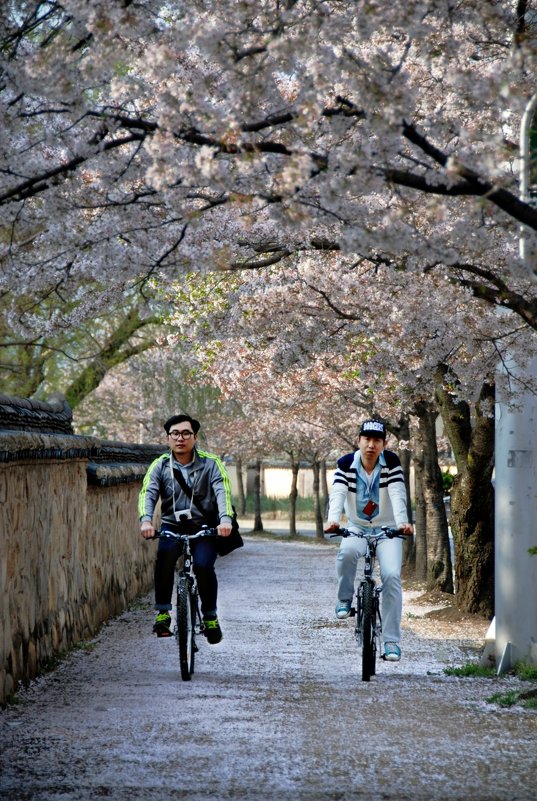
(277, 710)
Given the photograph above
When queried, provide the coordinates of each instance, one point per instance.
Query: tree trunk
(240, 487)
(258, 523)
(293, 495)
(472, 495)
(439, 567)
(115, 351)
(325, 493)
(317, 503)
(403, 433)
(420, 526)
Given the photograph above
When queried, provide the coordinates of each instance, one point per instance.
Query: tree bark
(293, 495)
(420, 526)
(317, 503)
(403, 433)
(439, 566)
(258, 522)
(471, 434)
(325, 493)
(240, 487)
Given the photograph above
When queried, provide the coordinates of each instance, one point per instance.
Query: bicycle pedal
(352, 613)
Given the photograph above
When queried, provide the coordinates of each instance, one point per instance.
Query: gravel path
(276, 711)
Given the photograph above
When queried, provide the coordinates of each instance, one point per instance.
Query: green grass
(267, 533)
(504, 699)
(525, 672)
(471, 669)
(279, 507)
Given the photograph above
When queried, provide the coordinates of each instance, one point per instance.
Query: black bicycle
(368, 627)
(188, 617)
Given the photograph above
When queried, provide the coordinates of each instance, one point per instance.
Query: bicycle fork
(376, 617)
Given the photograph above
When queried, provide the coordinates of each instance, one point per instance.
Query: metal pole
(516, 484)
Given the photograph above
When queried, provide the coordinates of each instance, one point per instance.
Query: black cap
(373, 428)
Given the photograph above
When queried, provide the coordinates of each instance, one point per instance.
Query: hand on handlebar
(147, 530)
(331, 527)
(224, 530)
(407, 529)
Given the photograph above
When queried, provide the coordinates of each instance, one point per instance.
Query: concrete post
(516, 479)
(516, 529)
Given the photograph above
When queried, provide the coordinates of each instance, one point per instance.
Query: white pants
(389, 555)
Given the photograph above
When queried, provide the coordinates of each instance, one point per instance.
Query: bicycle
(189, 620)
(368, 627)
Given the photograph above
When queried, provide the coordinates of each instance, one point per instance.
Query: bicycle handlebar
(204, 532)
(388, 532)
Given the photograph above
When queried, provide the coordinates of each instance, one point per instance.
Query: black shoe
(212, 630)
(162, 625)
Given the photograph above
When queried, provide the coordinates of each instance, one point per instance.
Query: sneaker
(392, 652)
(162, 624)
(212, 630)
(343, 609)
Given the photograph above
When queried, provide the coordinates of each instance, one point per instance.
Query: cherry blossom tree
(146, 139)
(141, 141)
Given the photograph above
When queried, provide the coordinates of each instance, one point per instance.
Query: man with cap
(369, 487)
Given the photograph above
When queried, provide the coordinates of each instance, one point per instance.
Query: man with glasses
(191, 485)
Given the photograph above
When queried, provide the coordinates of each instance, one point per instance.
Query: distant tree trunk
(420, 527)
(293, 495)
(240, 487)
(258, 523)
(472, 496)
(317, 504)
(439, 567)
(325, 495)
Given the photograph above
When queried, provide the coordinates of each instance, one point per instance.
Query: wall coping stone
(53, 416)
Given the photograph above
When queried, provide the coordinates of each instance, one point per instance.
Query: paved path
(276, 711)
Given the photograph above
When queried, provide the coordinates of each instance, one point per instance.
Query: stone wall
(70, 552)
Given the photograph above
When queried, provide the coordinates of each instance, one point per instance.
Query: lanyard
(184, 487)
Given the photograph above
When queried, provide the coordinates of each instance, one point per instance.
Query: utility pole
(516, 475)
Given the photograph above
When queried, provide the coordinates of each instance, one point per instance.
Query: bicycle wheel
(186, 619)
(367, 631)
(377, 629)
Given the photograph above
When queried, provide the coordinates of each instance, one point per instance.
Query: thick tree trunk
(403, 433)
(420, 527)
(258, 522)
(317, 503)
(293, 495)
(439, 567)
(240, 487)
(472, 496)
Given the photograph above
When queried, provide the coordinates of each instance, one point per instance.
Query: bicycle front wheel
(368, 645)
(376, 635)
(186, 620)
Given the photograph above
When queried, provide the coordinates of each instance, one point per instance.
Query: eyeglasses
(181, 434)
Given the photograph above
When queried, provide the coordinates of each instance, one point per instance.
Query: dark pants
(204, 555)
